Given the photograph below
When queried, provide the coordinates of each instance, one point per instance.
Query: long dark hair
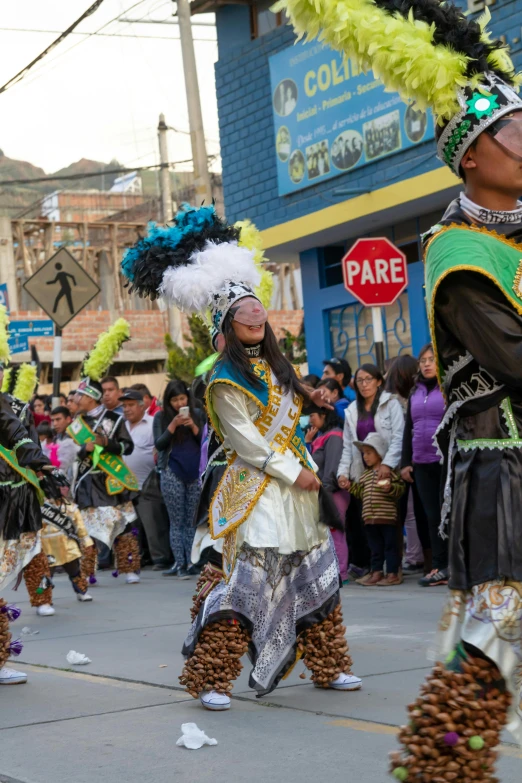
(235, 353)
(331, 420)
(174, 388)
(402, 376)
(374, 371)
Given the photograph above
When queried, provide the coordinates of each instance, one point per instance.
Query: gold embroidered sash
(243, 484)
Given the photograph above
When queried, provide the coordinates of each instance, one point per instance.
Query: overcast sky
(100, 100)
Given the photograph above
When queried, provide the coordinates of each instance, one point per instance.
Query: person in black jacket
(177, 436)
(107, 515)
(20, 517)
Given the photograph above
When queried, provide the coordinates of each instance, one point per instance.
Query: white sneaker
(12, 677)
(45, 610)
(346, 682)
(214, 701)
(84, 596)
(132, 579)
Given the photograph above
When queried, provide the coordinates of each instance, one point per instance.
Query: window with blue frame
(351, 331)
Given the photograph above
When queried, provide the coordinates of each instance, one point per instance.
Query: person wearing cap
(339, 370)
(141, 462)
(107, 514)
(152, 405)
(380, 511)
(139, 427)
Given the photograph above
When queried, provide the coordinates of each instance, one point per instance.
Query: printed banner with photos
(329, 118)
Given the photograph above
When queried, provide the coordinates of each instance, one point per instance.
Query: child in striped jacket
(380, 511)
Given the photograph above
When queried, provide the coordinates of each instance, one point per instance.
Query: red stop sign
(375, 271)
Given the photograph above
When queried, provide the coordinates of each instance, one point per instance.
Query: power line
(196, 23)
(87, 36)
(103, 35)
(20, 75)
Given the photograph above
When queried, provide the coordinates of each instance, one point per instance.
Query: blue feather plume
(188, 221)
(172, 246)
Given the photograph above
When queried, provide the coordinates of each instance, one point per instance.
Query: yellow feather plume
(6, 380)
(26, 381)
(250, 237)
(107, 346)
(399, 50)
(5, 353)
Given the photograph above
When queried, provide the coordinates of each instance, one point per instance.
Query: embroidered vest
(242, 484)
(459, 248)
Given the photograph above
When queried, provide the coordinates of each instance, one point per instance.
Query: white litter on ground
(77, 658)
(193, 738)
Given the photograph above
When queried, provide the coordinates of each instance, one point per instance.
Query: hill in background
(15, 200)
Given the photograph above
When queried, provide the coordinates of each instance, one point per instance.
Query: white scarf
(488, 216)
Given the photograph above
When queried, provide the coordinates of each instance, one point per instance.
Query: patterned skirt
(489, 617)
(15, 555)
(106, 523)
(275, 597)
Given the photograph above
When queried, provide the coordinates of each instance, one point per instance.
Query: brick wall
(147, 329)
(292, 320)
(247, 133)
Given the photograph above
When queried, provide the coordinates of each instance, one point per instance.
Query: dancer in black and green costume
(104, 488)
(26, 476)
(434, 55)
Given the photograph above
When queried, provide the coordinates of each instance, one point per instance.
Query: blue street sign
(18, 344)
(4, 296)
(42, 328)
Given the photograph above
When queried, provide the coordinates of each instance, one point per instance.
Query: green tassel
(39, 590)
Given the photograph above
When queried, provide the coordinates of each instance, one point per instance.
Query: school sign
(330, 118)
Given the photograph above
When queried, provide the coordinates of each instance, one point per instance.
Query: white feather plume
(191, 287)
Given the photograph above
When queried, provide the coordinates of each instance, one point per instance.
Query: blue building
(318, 156)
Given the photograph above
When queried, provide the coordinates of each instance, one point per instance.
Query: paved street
(118, 718)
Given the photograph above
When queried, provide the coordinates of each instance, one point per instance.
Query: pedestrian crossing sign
(61, 287)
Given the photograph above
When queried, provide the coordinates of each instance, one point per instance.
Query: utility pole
(166, 195)
(197, 135)
(7, 263)
(174, 315)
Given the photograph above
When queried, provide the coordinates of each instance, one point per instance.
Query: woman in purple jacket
(422, 463)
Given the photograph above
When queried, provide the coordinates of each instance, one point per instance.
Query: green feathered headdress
(5, 353)
(6, 383)
(428, 51)
(26, 382)
(108, 344)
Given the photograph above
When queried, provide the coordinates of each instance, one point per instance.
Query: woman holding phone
(177, 436)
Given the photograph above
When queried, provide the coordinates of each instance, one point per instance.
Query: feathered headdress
(25, 382)
(98, 361)
(426, 50)
(20, 381)
(5, 353)
(199, 263)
